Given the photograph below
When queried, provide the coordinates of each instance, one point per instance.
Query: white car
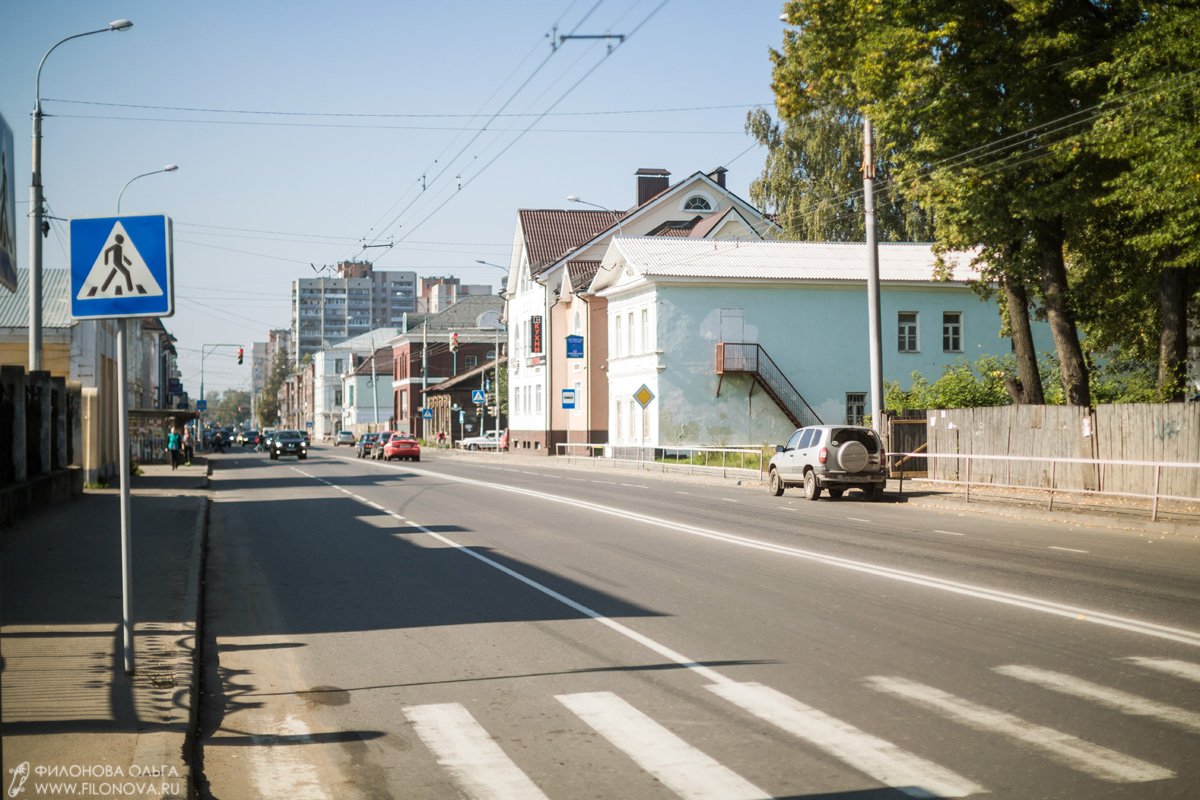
(344, 437)
(486, 442)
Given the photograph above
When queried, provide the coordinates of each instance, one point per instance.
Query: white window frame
(906, 330)
(856, 407)
(646, 345)
(952, 332)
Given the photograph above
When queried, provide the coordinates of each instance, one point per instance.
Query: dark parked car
(384, 436)
(832, 458)
(288, 443)
(365, 443)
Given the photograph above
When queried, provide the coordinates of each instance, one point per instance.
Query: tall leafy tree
(980, 102)
(1151, 122)
(812, 181)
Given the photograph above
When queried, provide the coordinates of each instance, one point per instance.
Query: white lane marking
(1097, 761)
(856, 519)
(1126, 703)
(950, 533)
(979, 592)
(463, 747)
(284, 771)
(680, 767)
(635, 486)
(729, 500)
(373, 504)
(1067, 549)
(1180, 669)
(527, 472)
(578, 480)
(682, 493)
(882, 760)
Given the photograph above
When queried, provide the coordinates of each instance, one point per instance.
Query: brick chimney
(718, 176)
(650, 182)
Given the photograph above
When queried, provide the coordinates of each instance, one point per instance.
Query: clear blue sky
(301, 128)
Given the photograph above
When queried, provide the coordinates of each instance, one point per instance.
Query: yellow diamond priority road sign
(643, 395)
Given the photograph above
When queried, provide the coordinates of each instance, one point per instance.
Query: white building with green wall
(739, 343)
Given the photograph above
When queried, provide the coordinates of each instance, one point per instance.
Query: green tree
(1151, 122)
(980, 103)
(268, 398)
(812, 181)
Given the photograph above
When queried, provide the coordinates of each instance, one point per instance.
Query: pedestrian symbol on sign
(119, 270)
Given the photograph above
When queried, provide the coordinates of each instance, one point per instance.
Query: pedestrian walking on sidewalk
(189, 446)
(175, 447)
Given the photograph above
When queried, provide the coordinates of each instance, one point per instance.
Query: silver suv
(830, 457)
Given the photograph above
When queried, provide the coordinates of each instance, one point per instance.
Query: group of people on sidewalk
(181, 446)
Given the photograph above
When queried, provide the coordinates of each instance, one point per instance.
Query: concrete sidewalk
(72, 719)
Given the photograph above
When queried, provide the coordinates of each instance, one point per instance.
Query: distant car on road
(832, 458)
(288, 443)
(245, 438)
(344, 437)
(382, 439)
(488, 441)
(402, 445)
(365, 443)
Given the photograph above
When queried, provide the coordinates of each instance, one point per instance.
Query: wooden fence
(1168, 432)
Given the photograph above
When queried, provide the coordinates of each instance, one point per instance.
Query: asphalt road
(469, 627)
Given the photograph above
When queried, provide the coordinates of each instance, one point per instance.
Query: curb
(1114, 520)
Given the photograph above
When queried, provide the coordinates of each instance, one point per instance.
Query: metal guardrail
(667, 459)
(1052, 489)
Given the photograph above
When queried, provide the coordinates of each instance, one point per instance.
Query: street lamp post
(167, 168)
(576, 199)
(36, 212)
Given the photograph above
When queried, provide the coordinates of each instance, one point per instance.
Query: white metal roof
(723, 258)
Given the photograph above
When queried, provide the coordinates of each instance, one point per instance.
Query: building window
(646, 330)
(350, 391)
(632, 423)
(632, 346)
(619, 429)
(538, 393)
(908, 332)
(578, 398)
(697, 203)
(952, 331)
(472, 361)
(337, 397)
(856, 407)
(617, 337)
(578, 323)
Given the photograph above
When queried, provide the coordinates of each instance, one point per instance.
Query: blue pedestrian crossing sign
(122, 267)
(427, 413)
(477, 397)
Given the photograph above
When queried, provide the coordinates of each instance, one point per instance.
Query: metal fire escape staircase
(752, 360)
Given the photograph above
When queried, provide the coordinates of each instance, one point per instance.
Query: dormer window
(697, 203)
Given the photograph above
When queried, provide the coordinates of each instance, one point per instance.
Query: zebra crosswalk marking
(882, 760)
(1100, 762)
(477, 764)
(680, 767)
(1180, 669)
(1124, 702)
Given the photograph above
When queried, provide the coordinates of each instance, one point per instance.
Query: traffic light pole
(204, 351)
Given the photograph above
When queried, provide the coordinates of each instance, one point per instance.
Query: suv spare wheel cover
(852, 456)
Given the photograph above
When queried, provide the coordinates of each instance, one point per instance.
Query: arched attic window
(697, 203)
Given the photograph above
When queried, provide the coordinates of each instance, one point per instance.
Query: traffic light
(239, 356)
(454, 343)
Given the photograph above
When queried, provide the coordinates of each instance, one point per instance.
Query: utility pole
(873, 314)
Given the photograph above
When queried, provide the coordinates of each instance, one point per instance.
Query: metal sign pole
(123, 466)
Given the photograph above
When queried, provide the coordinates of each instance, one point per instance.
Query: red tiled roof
(702, 229)
(552, 233)
(581, 273)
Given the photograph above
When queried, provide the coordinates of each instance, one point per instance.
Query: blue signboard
(8, 209)
(568, 398)
(202, 405)
(427, 413)
(122, 267)
(574, 347)
(477, 397)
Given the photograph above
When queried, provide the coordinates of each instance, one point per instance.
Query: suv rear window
(868, 438)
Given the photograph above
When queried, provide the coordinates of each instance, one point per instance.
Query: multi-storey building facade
(331, 309)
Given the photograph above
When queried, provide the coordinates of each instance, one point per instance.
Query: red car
(402, 445)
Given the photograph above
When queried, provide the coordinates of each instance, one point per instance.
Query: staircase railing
(752, 359)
